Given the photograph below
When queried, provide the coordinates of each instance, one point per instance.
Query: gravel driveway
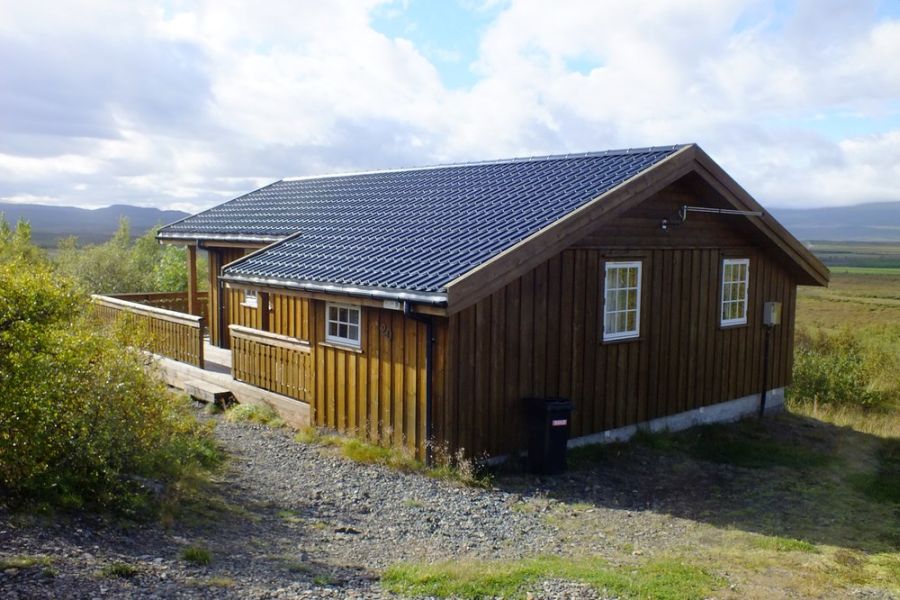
(283, 520)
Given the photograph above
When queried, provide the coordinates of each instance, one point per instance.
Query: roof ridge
(501, 161)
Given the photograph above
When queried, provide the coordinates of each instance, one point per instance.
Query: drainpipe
(765, 372)
(429, 375)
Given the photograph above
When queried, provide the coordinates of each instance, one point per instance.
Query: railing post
(192, 281)
(200, 361)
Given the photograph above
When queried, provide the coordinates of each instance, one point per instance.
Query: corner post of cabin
(193, 305)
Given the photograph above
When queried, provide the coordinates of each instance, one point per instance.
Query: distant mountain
(91, 226)
(876, 222)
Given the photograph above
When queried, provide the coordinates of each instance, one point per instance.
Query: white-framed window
(735, 285)
(622, 300)
(342, 324)
(250, 298)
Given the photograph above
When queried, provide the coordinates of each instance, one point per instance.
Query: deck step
(208, 392)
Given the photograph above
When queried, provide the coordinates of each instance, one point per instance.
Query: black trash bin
(548, 434)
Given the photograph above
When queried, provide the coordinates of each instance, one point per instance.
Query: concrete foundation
(724, 412)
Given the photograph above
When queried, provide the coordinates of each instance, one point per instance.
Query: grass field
(858, 254)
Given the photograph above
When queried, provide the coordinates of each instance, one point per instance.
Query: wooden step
(208, 392)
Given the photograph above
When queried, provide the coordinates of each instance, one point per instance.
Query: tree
(123, 266)
(15, 243)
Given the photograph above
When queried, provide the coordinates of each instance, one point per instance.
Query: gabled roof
(413, 229)
(446, 233)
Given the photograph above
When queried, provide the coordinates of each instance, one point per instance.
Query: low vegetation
(82, 420)
(784, 544)
(659, 579)
(120, 569)
(446, 466)
(24, 562)
(254, 413)
(196, 555)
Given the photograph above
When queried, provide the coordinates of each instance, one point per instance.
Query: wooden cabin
(423, 305)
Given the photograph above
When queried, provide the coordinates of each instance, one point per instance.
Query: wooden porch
(262, 367)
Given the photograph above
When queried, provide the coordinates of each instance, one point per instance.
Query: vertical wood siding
(541, 335)
(377, 391)
(217, 258)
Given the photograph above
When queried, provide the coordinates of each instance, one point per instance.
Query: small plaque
(559, 422)
(392, 305)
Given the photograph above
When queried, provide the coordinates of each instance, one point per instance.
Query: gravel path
(284, 521)
(288, 520)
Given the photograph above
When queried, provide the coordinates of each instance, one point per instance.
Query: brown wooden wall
(542, 334)
(217, 258)
(377, 391)
(288, 315)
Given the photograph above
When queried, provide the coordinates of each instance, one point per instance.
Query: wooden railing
(277, 363)
(174, 301)
(168, 333)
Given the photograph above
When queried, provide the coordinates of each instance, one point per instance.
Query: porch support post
(193, 305)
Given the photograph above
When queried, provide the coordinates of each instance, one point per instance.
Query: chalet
(425, 304)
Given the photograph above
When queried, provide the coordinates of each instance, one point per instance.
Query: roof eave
(438, 299)
(218, 237)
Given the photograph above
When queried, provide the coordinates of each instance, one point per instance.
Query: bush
(837, 370)
(82, 421)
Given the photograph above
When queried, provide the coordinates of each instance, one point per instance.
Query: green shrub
(196, 555)
(82, 421)
(836, 370)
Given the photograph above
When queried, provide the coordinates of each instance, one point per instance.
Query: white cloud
(197, 101)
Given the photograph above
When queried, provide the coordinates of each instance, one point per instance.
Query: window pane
(609, 323)
(632, 277)
(354, 317)
(622, 300)
(332, 313)
(332, 328)
(342, 330)
(353, 332)
(632, 299)
(630, 322)
(621, 321)
(610, 301)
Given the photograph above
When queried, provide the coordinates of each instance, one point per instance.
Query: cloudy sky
(187, 104)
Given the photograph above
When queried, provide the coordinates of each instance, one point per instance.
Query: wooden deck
(217, 371)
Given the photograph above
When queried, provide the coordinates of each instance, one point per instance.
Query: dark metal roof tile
(415, 229)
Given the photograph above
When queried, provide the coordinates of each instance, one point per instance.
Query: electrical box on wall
(772, 314)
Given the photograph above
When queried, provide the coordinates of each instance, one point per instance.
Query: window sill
(622, 340)
(725, 326)
(344, 347)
